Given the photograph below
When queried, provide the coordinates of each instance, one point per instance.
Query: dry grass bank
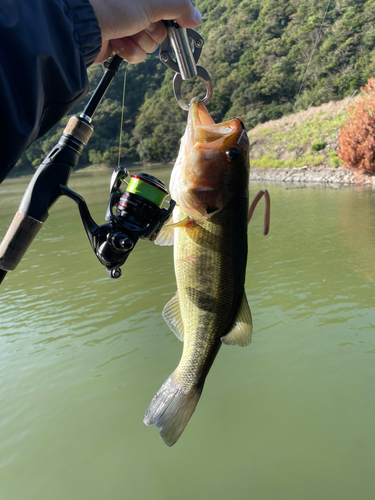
(307, 138)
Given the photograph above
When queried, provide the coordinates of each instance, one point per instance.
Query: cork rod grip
(17, 240)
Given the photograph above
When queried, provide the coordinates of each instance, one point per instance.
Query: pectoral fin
(242, 329)
(172, 316)
(166, 234)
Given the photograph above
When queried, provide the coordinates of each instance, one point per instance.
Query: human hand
(132, 28)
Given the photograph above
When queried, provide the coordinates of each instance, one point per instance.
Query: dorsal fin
(242, 328)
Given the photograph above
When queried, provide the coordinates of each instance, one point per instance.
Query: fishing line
(312, 53)
(122, 117)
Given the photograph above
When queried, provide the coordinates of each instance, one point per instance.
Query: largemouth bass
(210, 183)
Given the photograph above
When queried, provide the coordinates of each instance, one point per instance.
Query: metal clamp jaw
(185, 66)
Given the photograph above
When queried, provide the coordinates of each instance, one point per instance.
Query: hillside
(307, 138)
(302, 148)
(257, 53)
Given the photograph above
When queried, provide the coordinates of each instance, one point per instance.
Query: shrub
(318, 146)
(357, 136)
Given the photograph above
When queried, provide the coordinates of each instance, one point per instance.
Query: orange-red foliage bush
(357, 136)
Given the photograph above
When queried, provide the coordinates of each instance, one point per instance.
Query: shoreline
(321, 175)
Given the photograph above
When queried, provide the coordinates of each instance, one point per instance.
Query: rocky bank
(320, 175)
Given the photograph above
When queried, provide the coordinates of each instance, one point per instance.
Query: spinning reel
(131, 214)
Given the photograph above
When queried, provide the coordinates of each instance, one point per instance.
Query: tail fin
(171, 409)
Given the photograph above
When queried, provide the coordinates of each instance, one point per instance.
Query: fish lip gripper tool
(179, 43)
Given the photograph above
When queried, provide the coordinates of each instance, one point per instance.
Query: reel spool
(141, 202)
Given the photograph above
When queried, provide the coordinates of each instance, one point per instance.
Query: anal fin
(242, 329)
(172, 316)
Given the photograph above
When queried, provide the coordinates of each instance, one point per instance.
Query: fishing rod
(133, 213)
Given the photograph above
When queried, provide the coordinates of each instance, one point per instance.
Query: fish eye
(232, 154)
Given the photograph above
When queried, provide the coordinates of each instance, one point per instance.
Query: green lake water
(290, 417)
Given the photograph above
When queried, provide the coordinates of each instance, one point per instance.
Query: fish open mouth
(204, 131)
(213, 158)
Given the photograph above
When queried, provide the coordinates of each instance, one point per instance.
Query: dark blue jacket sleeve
(45, 48)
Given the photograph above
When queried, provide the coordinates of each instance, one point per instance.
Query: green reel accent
(148, 191)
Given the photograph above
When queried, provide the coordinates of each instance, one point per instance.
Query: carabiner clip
(185, 66)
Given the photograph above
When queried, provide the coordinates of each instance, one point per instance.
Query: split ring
(177, 87)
